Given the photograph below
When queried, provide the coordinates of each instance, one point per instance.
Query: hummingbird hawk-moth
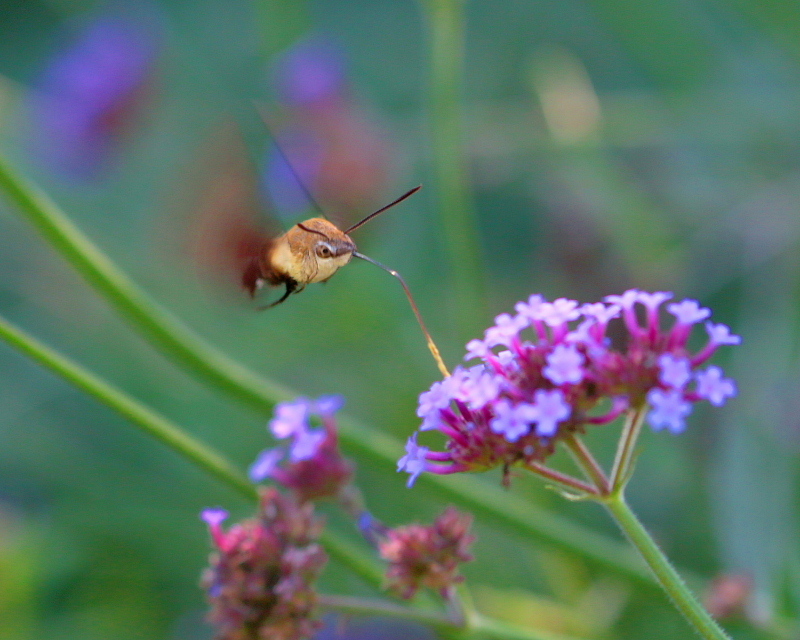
(230, 232)
(311, 251)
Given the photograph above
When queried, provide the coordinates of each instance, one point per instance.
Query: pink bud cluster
(551, 370)
(259, 582)
(427, 556)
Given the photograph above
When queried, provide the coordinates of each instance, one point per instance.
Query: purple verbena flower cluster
(527, 392)
(314, 468)
(260, 582)
(92, 90)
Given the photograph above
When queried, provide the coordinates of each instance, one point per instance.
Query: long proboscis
(411, 192)
(431, 344)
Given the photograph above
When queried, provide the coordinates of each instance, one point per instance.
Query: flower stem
(665, 573)
(365, 606)
(164, 330)
(587, 463)
(562, 479)
(626, 448)
(174, 437)
(142, 416)
(480, 626)
(457, 214)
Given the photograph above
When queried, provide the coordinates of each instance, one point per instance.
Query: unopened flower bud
(427, 556)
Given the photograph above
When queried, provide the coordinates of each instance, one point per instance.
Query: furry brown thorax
(311, 251)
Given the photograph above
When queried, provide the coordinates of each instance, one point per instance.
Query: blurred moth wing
(229, 231)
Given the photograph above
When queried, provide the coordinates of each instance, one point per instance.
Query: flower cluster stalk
(667, 576)
(626, 448)
(611, 495)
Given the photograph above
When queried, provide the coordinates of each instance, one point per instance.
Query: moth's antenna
(431, 344)
(380, 211)
(285, 157)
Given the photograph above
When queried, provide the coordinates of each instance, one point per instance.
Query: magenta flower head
(92, 90)
(551, 371)
(314, 467)
(427, 556)
(260, 580)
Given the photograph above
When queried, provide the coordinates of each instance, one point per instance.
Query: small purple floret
(550, 409)
(720, 334)
(477, 349)
(328, 405)
(512, 421)
(505, 329)
(414, 462)
(531, 310)
(653, 300)
(479, 387)
(600, 312)
(669, 410)
(626, 300)
(713, 387)
(290, 418)
(265, 464)
(559, 311)
(564, 365)
(688, 311)
(438, 397)
(675, 372)
(305, 444)
(214, 516)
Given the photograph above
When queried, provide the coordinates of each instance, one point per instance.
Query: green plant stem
(168, 333)
(180, 343)
(172, 436)
(455, 207)
(143, 417)
(365, 606)
(505, 508)
(484, 627)
(665, 573)
(479, 626)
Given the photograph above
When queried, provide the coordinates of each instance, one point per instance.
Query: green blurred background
(607, 144)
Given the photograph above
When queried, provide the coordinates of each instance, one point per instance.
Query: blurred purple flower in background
(91, 91)
(332, 149)
(311, 74)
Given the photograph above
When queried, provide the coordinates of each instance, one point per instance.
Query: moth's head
(331, 247)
